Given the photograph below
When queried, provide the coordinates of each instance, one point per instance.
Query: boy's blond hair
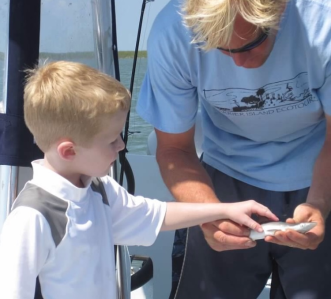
(212, 20)
(70, 100)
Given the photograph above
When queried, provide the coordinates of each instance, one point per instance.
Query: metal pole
(103, 13)
(123, 273)
(8, 190)
(8, 174)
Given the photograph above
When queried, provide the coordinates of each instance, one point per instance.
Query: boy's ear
(66, 150)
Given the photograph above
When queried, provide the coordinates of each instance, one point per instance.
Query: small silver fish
(270, 228)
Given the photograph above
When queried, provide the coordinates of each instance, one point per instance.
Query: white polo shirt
(66, 236)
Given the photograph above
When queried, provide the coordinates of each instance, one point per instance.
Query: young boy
(62, 231)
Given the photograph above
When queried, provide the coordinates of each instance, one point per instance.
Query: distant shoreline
(121, 54)
(130, 54)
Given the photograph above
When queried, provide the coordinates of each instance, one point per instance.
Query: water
(137, 141)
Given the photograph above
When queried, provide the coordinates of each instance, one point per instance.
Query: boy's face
(97, 159)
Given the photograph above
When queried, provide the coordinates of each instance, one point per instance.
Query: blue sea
(137, 141)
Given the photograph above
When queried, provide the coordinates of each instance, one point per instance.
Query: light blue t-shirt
(263, 126)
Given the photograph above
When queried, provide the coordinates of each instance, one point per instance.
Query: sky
(128, 14)
(66, 25)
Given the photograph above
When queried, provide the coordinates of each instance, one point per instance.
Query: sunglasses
(250, 46)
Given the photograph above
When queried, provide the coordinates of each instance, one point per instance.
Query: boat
(28, 28)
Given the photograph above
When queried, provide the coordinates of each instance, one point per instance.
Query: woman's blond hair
(70, 100)
(212, 21)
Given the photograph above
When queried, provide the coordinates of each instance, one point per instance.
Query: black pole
(125, 166)
(114, 35)
(127, 123)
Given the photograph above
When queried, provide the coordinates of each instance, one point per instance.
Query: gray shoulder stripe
(50, 206)
(98, 186)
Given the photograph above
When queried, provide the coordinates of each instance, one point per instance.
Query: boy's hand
(241, 213)
(233, 233)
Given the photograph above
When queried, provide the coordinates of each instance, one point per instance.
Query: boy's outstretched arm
(180, 215)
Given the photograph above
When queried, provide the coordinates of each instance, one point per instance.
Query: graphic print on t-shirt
(274, 96)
